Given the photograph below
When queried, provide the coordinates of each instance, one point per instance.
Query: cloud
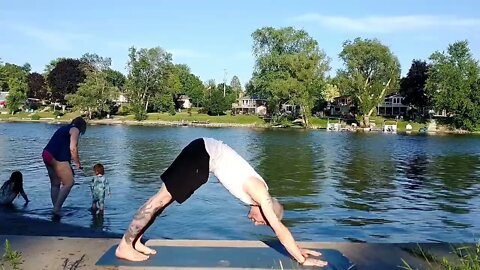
(52, 39)
(387, 24)
(186, 53)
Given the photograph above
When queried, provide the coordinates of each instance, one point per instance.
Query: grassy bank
(184, 116)
(195, 118)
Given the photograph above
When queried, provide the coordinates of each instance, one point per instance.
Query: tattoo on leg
(141, 218)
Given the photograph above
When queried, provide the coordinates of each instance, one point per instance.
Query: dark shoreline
(16, 224)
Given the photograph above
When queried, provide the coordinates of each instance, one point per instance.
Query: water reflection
(287, 163)
(367, 180)
(335, 186)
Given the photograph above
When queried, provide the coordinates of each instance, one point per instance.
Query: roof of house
(344, 96)
(393, 95)
(254, 97)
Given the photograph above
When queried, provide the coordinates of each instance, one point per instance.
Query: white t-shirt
(231, 170)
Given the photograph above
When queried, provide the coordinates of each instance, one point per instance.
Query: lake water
(335, 186)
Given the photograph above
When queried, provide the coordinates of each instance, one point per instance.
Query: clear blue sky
(212, 36)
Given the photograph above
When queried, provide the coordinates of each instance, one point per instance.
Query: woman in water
(57, 156)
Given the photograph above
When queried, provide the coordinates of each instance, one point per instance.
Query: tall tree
(94, 95)
(96, 62)
(216, 103)
(9, 72)
(454, 84)
(17, 94)
(236, 86)
(27, 68)
(65, 77)
(289, 67)
(37, 88)
(370, 71)
(116, 78)
(412, 86)
(191, 84)
(163, 100)
(146, 71)
(331, 92)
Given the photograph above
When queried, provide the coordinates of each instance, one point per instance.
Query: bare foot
(127, 252)
(144, 249)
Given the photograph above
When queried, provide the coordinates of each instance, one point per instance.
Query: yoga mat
(224, 257)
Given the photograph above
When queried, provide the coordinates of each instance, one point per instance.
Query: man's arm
(259, 193)
(74, 134)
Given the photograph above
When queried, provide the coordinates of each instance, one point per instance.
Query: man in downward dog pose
(187, 173)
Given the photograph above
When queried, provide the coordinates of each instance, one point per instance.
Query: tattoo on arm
(269, 201)
(141, 218)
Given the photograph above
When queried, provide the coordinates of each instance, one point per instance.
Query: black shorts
(188, 171)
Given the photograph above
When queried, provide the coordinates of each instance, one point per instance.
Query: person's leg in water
(54, 184)
(101, 204)
(94, 206)
(54, 180)
(130, 247)
(63, 171)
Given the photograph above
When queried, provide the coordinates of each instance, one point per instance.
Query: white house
(392, 105)
(183, 102)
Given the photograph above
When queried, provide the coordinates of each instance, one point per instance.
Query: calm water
(335, 186)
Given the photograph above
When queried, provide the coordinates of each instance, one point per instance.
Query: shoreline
(44, 244)
(182, 123)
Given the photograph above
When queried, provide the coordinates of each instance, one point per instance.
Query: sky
(213, 37)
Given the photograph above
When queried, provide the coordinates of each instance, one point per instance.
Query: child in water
(12, 188)
(99, 187)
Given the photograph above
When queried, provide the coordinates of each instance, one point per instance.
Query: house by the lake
(392, 105)
(250, 105)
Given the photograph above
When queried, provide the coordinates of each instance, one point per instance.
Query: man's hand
(314, 262)
(307, 252)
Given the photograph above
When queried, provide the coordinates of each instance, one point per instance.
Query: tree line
(290, 68)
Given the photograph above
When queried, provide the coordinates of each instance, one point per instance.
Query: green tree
(191, 85)
(17, 94)
(331, 92)
(116, 78)
(94, 95)
(96, 62)
(370, 71)
(230, 95)
(171, 85)
(146, 71)
(289, 67)
(9, 72)
(216, 103)
(236, 86)
(454, 84)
